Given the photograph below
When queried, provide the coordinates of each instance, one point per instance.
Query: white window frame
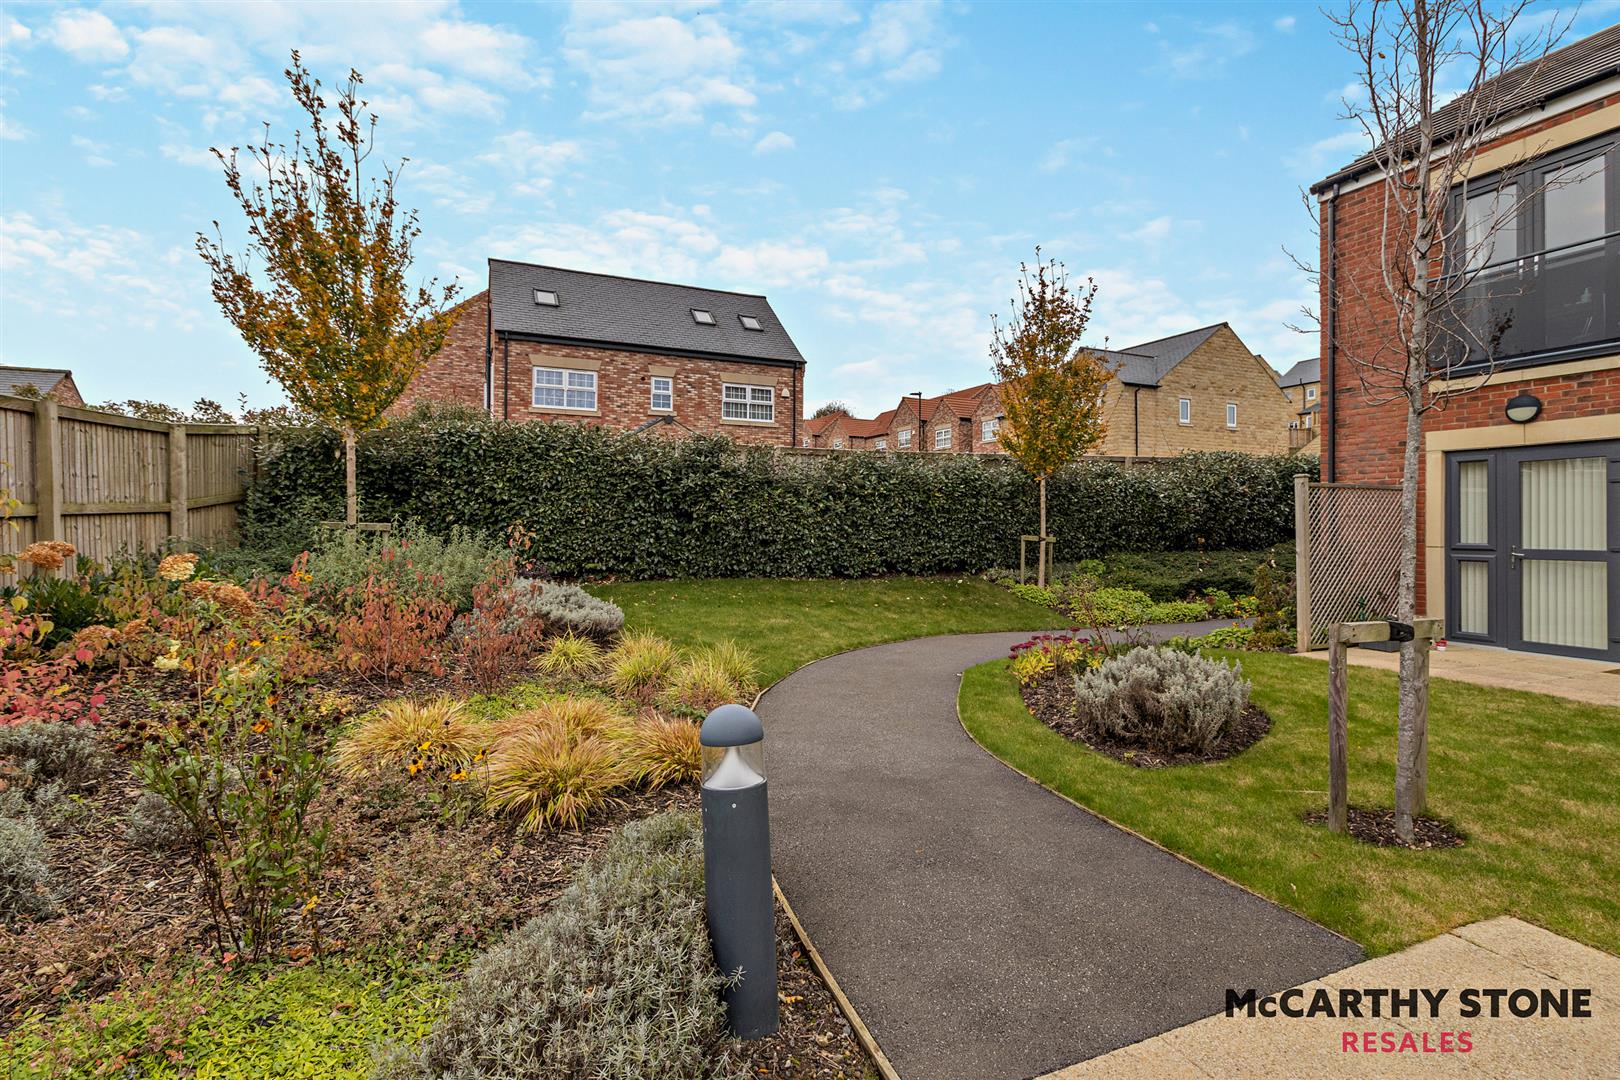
(1231, 415)
(883, 444)
(903, 437)
(1310, 393)
(838, 444)
(1184, 411)
(753, 399)
(942, 437)
(576, 385)
(654, 393)
(990, 430)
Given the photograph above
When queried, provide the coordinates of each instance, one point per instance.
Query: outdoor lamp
(737, 867)
(1523, 408)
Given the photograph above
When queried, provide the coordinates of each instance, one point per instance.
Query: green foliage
(70, 604)
(415, 561)
(1044, 595)
(615, 981)
(1178, 611)
(1177, 575)
(25, 877)
(604, 502)
(638, 668)
(1163, 699)
(1113, 607)
(1227, 637)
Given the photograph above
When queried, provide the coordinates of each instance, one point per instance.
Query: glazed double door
(1533, 548)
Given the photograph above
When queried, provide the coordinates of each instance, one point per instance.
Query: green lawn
(1529, 779)
(787, 624)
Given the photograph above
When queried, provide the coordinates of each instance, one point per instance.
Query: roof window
(750, 323)
(702, 317)
(547, 298)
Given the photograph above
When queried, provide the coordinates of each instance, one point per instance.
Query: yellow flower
(169, 662)
(459, 774)
(414, 767)
(425, 747)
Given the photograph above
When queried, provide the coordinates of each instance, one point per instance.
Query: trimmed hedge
(601, 502)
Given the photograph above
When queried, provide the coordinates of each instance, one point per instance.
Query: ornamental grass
(638, 668)
(547, 778)
(575, 717)
(570, 658)
(657, 750)
(412, 735)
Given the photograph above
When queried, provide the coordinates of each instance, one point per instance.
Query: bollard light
(737, 866)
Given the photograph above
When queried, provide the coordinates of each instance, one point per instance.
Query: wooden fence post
(179, 484)
(1302, 562)
(1338, 733)
(47, 471)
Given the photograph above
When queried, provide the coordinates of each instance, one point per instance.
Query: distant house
(1200, 390)
(936, 425)
(1303, 385)
(54, 383)
(871, 434)
(548, 343)
(829, 432)
(1519, 488)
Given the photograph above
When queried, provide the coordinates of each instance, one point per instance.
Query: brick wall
(989, 409)
(66, 392)
(905, 416)
(623, 388)
(1367, 439)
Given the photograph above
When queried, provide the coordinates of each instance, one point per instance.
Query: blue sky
(878, 171)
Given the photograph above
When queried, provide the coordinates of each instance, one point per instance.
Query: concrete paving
(1594, 681)
(982, 926)
(1502, 952)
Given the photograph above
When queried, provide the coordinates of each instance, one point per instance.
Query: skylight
(749, 322)
(702, 318)
(546, 298)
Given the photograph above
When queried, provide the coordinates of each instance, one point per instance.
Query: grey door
(1533, 544)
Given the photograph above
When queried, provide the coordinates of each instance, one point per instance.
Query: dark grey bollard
(737, 866)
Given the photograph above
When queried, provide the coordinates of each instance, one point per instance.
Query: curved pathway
(982, 926)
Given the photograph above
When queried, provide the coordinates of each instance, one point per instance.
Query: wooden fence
(107, 483)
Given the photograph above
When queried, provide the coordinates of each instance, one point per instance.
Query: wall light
(1523, 408)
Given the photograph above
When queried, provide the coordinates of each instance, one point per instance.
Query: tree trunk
(1040, 545)
(1411, 739)
(351, 495)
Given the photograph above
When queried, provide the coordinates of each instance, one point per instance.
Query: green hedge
(604, 502)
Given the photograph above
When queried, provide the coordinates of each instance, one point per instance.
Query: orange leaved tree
(328, 308)
(1051, 390)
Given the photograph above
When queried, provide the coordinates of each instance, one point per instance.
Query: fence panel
(107, 483)
(1347, 541)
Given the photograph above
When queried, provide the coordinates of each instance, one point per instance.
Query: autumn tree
(1436, 285)
(321, 292)
(1051, 389)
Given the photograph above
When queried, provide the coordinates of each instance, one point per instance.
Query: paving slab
(982, 926)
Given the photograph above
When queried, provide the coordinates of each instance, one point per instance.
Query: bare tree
(1434, 79)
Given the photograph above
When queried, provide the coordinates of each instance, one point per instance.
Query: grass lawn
(787, 624)
(1529, 779)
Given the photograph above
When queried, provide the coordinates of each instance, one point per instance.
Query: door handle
(1516, 556)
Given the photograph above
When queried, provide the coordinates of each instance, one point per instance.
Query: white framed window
(1185, 415)
(883, 444)
(989, 430)
(942, 437)
(564, 388)
(838, 444)
(1310, 393)
(738, 402)
(663, 394)
(904, 437)
(1231, 414)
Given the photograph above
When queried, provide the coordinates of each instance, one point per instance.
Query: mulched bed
(1378, 827)
(814, 1039)
(1051, 701)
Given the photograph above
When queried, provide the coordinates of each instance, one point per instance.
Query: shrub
(433, 890)
(1047, 654)
(386, 630)
(25, 877)
(498, 636)
(67, 754)
(599, 501)
(566, 608)
(1227, 637)
(657, 750)
(1112, 606)
(1274, 604)
(735, 662)
(638, 667)
(438, 735)
(548, 778)
(416, 561)
(1162, 699)
(1177, 611)
(1044, 595)
(155, 825)
(1178, 575)
(569, 657)
(616, 980)
(71, 604)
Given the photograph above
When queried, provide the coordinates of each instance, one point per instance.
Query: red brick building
(545, 343)
(54, 383)
(1520, 514)
(829, 432)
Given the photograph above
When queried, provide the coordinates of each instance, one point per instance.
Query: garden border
(1126, 828)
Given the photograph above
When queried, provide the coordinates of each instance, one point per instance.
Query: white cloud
(657, 68)
(95, 153)
(900, 43)
(773, 142)
(86, 35)
(1074, 152)
(1208, 52)
(484, 52)
(1323, 154)
(1154, 231)
(13, 32)
(1284, 24)
(533, 163)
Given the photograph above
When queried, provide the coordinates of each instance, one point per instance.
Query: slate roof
(1524, 88)
(42, 379)
(1306, 371)
(1148, 363)
(655, 316)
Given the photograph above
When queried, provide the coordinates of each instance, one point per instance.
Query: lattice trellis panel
(1349, 562)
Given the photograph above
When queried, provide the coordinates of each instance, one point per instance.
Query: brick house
(830, 432)
(55, 383)
(546, 343)
(1519, 518)
(871, 434)
(1200, 390)
(933, 425)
